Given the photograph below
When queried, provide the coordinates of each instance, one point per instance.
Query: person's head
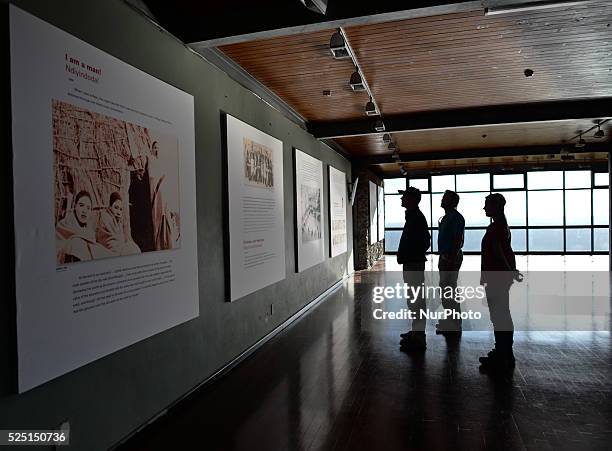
(494, 205)
(116, 205)
(82, 207)
(411, 197)
(450, 199)
(155, 149)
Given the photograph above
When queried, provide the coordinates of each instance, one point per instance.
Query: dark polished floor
(337, 380)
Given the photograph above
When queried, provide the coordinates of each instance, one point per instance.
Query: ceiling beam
(328, 23)
(480, 153)
(468, 117)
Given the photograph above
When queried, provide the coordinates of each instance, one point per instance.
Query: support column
(610, 211)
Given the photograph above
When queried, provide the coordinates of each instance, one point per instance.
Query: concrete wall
(109, 398)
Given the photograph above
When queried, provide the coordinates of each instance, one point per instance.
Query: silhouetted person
(450, 243)
(498, 272)
(413, 244)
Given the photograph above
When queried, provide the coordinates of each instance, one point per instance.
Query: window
(516, 207)
(578, 207)
(473, 240)
(508, 181)
(394, 212)
(577, 240)
(518, 240)
(546, 240)
(601, 206)
(440, 183)
(392, 239)
(561, 211)
(601, 239)
(420, 184)
(545, 208)
(601, 179)
(393, 185)
(471, 206)
(545, 180)
(473, 182)
(577, 179)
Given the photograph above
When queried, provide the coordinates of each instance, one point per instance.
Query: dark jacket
(415, 238)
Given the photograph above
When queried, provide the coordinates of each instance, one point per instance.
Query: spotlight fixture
(386, 138)
(566, 156)
(392, 147)
(379, 126)
(318, 6)
(403, 171)
(396, 155)
(599, 133)
(337, 47)
(356, 82)
(581, 142)
(370, 108)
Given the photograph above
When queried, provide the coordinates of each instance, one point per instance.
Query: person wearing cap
(413, 245)
(450, 241)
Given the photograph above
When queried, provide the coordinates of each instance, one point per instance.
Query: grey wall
(109, 398)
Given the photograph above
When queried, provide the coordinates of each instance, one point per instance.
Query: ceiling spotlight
(599, 133)
(403, 171)
(395, 155)
(370, 108)
(379, 126)
(581, 142)
(356, 82)
(392, 147)
(337, 47)
(318, 6)
(386, 138)
(566, 156)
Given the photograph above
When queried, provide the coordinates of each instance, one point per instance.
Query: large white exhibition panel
(255, 210)
(381, 214)
(373, 213)
(310, 236)
(104, 194)
(337, 211)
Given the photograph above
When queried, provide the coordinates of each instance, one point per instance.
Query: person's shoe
(414, 341)
(497, 361)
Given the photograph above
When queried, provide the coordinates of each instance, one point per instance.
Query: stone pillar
(610, 210)
(366, 254)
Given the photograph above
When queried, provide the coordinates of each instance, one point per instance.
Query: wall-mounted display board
(373, 212)
(310, 239)
(104, 202)
(255, 210)
(337, 211)
(381, 214)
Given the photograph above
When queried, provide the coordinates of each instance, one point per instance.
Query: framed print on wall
(310, 236)
(255, 209)
(337, 211)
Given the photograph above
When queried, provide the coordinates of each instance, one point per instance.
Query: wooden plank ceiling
(480, 137)
(452, 61)
(498, 164)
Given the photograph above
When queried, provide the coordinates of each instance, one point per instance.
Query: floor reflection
(338, 380)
